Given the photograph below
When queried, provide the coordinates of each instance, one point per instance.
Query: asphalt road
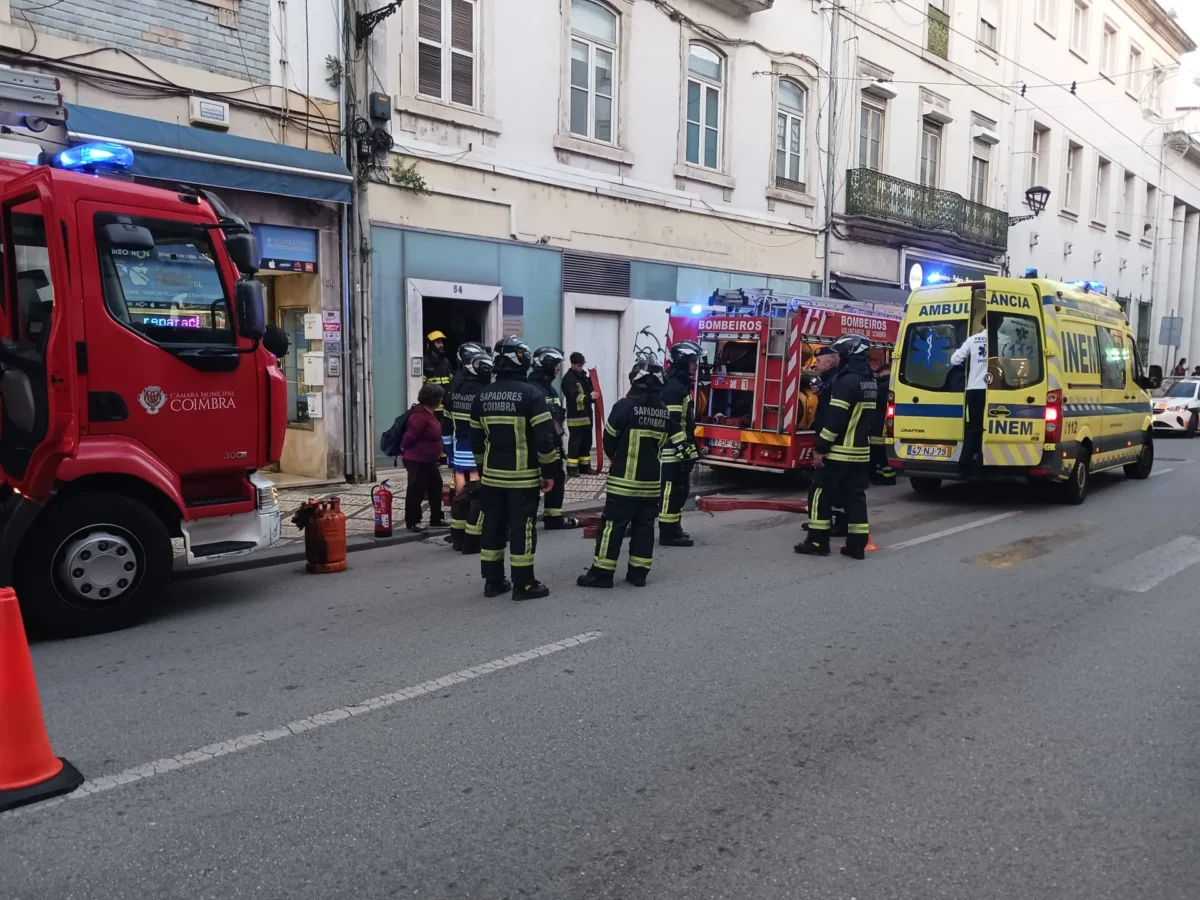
(1000, 703)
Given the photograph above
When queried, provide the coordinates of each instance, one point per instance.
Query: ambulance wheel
(92, 563)
(1074, 492)
(926, 487)
(1145, 461)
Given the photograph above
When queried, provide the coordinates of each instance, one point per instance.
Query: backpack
(389, 442)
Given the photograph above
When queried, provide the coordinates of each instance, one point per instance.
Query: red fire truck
(754, 409)
(137, 397)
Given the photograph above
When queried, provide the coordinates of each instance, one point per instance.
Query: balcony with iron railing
(873, 196)
(937, 40)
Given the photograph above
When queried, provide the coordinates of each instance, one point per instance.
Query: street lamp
(1036, 199)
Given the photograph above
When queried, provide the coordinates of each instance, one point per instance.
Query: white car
(1178, 410)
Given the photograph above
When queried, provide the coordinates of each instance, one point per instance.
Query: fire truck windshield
(171, 294)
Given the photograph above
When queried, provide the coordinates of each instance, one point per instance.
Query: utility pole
(835, 12)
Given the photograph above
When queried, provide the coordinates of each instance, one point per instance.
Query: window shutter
(462, 52)
(429, 48)
(602, 275)
(983, 150)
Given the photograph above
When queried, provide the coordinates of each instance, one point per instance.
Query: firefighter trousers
(579, 444)
(621, 514)
(508, 516)
(464, 511)
(881, 469)
(673, 493)
(552, 512)
(846, 482)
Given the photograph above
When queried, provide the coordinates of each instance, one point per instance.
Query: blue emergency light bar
(1090, 287)
(102, 156)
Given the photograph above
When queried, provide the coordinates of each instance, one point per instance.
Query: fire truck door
(37, 384)
(165, 365)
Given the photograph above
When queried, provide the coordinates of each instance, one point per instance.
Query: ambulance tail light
(889, 421)
(1053, 417)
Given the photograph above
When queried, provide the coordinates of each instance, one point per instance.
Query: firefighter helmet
(647, 370)
(480, 365)
(851, 346)
(435, 336)
(467, 350)
(684, 352)
(512, 355)
(547, 358)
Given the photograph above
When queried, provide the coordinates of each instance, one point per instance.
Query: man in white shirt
(974, 353)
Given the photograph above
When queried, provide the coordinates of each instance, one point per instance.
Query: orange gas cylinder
(324, 535)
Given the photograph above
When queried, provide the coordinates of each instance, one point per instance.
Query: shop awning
(869, 292)
(195, 156)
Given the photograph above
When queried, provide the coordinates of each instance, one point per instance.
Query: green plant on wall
(408, 178)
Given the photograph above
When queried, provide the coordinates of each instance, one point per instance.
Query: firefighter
(512, 438)
(842, 452)
(437, 367)
(820, 378)
(547, 362)
(579, 396)
(636, 431)
(680, 452)
(475, 371)
(882, 473)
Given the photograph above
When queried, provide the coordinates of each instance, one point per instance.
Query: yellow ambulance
(1066, 392)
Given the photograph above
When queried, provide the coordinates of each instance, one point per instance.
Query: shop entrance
(460, 320)
(463, 312)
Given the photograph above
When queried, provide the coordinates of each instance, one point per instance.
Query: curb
(354, 543)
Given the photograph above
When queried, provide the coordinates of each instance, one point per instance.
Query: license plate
(929, 451)
(722, 442)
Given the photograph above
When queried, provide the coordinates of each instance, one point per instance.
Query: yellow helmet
(435, 336)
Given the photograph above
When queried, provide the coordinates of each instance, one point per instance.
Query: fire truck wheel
(92, 563)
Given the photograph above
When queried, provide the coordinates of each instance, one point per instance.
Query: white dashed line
(1160, 472)
(978, 523)
(1150, 569)
(254, 739)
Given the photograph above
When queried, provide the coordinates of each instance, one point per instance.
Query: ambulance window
(1015, 343)
(1112, 360)
(1135, 360)
(172, 294)
(928, 347)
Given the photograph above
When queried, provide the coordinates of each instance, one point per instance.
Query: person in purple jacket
(421, 448)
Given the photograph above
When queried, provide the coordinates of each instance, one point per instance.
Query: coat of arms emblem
(152, 399)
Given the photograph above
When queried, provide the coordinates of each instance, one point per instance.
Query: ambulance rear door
(929, 392)
(1014, 420)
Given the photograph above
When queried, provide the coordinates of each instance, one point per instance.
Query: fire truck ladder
(777, 345)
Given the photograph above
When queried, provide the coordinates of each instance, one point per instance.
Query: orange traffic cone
(871, 545)
(29, 770)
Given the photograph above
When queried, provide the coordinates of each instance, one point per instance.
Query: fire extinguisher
(381, 498)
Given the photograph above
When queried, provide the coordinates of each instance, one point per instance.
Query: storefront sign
(287, 249)
(930, 271)
(331, 325)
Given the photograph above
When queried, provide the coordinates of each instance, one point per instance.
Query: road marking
(1149, 569)
(1025, 549)
(1160, 472)
(946, 532)
(254, 739)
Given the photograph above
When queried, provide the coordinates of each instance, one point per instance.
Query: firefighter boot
(595, 578)
(455, 539)
(470, 544)
(572, 471)
(531, 591)
(637, 576)
(673, 536)
(853, 552)
(810, 547)
(494, 587)
(559, 523)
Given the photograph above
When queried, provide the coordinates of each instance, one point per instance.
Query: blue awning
(197, 156)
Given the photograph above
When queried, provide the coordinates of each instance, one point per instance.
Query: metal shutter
(604, 275)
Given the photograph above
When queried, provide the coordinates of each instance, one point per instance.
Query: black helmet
(684, 352)
(547, 358)
(647, 370)
(512, 355)
(468, 350)
(480, 364)
(851, 346)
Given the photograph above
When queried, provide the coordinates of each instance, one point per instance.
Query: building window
(1134, 72)
(870, 137)
(1100, 191)
(1039, 150)
(291, 320)
(1108, 49)
(789, 137)
(931, 153)
(1128, 185)
(988, 35)
(1150, 213)
(981, 157)
(1046, 14)
(593, 70)
(706, 78)
(446, 51)
(1081, 24)
(1071, 177)
(1156, 88)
